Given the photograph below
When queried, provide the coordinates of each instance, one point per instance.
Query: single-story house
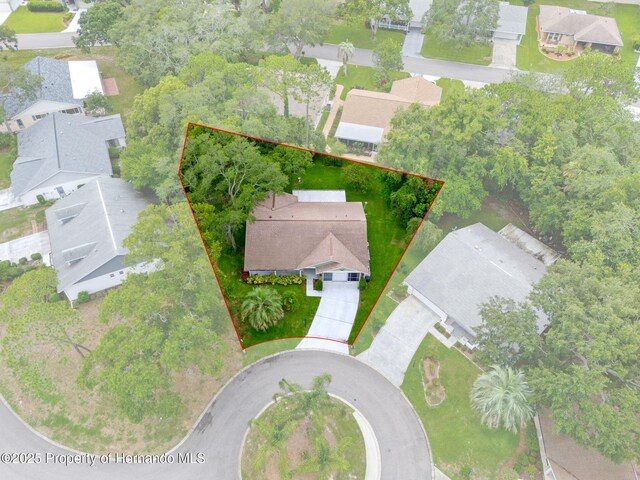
(65, 85)
(512, 22)
(313, 233)
(86, 231)
(366, 115)
(577, 30)
(61, 152)
(471, 265)
(566, 460)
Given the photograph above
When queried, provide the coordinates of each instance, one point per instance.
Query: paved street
(34, 41)
(403, 446)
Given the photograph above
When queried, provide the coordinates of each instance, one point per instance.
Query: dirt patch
(434, 393)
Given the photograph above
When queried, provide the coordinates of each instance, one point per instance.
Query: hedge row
(45, 6)
(272, 279)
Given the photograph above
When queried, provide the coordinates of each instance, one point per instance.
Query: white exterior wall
(108, 280)
(50, 193)
(38, 108)
(427, 302)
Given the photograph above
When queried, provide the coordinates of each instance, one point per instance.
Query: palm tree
(501, 397)
(274, 431)
(345, 53)
(307, 401)
(326, 461)
(262, 307)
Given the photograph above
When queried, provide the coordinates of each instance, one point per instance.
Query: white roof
(359, 133)
(320, 195)
(85, 78)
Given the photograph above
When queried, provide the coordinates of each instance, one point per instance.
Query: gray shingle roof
(512, 19)
(471, 265)
(55, 87)
(87, 227)
(63, 143)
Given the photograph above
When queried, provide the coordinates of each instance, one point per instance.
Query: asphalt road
(32, 41)
(403, 446)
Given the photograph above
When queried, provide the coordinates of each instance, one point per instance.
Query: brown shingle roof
(570, 461)
(376, 109)
(583, 27)
(295, 235)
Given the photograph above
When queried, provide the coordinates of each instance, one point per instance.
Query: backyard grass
(627, 17)
(364, 77)
(434, 47)
(16, 222)
(107, 64)
(359, 35)
(7, 157)
(24, 21)
(458, 439)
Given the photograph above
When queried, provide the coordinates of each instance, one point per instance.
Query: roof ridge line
(106, 214)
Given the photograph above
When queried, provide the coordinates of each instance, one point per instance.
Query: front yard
(7, 157)
(24, 21)
(364, 78)
(627, 17)
(359, 35)
(462, 447)
(17, 222)
(434, 47)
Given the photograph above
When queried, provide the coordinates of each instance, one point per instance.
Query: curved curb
(360, 419)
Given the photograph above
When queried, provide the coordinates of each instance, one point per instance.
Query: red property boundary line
(313, 152)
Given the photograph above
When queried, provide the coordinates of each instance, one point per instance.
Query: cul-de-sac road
(404, 448)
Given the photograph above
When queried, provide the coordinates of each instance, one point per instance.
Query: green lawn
(450, 87)
(7, 157)
(457, 437)
(294, 324)
(16, 222)
(363, 77)
(24, 21)
(107, 64)
(359, 35)
(477, 54)
(627, 17)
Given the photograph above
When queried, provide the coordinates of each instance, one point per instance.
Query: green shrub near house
(45, 6)
(273, 279)
(83, 297)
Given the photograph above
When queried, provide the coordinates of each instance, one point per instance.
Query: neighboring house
(64, 87)
(315, 233)
(566, 460)
(512, 22)
(86, 231)
(577, 30)
(61, 152)
(366, 115)
(473, 264)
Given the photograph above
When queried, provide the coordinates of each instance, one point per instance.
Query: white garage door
(340, 276)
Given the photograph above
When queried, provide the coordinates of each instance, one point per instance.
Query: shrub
(289, 301)
(67, 17)
(40, 199)
(317, 284)
(36, 256)
(6, 140)
(39, 217)
(22, 261)
(362, 283)
(45, 6)
(54, 297)
(273, 279)
(83, 297)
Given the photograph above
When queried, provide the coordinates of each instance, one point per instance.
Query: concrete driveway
(336, 312)
(25, 246)
(504, 54)
(404, 449)
(397, 341)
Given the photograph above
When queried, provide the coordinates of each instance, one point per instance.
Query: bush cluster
(45, 6)
(273, 279)
(83, 297)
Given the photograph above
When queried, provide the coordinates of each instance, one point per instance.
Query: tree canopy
(462, 21)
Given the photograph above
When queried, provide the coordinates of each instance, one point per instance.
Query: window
(553, 37)
(112, 274)
(328, 277)
(20, 123)
(72, 110)
(121, 272)
(39, 116)
(353, 276)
